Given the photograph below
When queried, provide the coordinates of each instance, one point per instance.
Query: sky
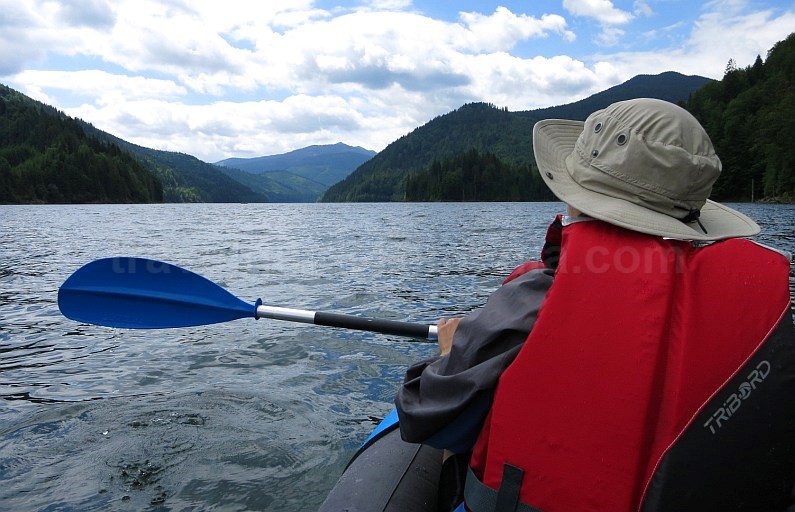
(244, 78)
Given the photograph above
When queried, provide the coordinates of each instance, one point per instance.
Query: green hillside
(750, 117)
(278, 186)
(45, 157)
(487, 130)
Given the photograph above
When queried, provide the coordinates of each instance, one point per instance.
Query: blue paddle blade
(140, 293)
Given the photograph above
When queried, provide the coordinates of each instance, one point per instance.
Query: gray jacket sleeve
(457, 389)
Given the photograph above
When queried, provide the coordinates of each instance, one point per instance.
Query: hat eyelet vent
(549, 175)
(597, 128)
(622, 139)
(595, 153)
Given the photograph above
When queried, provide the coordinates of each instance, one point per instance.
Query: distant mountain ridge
(303, 175)
(325, 164)
(668, 86)
(176, 177)
(488, 129)
(185, 178)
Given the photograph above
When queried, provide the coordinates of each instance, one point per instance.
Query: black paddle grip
(372, 325)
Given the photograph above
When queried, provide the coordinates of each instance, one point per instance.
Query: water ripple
(246, 415)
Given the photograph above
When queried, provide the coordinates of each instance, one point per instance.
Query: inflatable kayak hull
(388, 474)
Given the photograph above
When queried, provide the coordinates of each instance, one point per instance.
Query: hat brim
(554, 141)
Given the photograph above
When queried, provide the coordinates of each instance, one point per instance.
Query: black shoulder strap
(479, 497)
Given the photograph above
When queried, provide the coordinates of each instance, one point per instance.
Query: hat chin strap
(693, 215)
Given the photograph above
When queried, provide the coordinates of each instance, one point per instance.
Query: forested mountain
(488, 130)
(324, 164)
(750, 117)
(479, 126)
(473, 176)
(45, 157)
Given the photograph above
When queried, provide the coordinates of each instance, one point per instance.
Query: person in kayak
(632, 368)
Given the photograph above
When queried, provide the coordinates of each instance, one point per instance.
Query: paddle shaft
(428, 332)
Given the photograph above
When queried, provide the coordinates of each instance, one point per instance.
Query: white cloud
(602, 10)
(752, 33)
(371, 49)
(240, 78)
(609, 36)
(608, 17)
(22, 36)
(525, 84)
(213, 131)
(89, 13)
(389, 5)
(707, 49)
(501, 30)
(106, 88)
(642, 8)
(203, 47)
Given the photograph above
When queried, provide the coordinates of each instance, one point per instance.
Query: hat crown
(649, 152)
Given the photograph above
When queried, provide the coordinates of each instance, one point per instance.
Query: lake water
(245, 415)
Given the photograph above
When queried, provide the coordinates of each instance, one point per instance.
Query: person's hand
(446, 330)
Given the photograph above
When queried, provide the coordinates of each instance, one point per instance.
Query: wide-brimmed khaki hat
(645, 165)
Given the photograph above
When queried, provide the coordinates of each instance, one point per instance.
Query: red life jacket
(550, 253)
(652, 362)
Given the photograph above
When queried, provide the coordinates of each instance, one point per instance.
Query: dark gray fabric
(438, 391)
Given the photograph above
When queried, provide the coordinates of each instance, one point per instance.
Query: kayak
(388, 474)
